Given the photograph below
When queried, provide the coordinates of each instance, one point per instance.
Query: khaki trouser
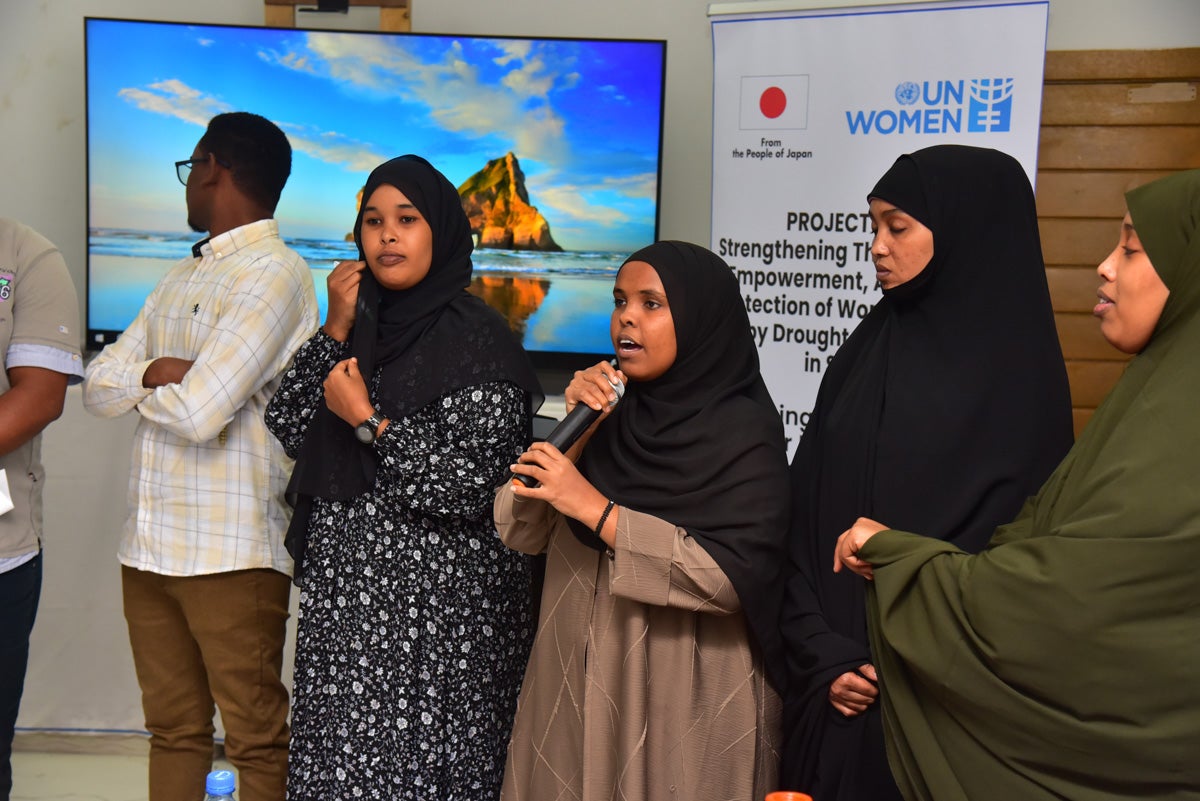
(202, 639)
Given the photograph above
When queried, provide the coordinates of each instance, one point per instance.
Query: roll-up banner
(810, 108)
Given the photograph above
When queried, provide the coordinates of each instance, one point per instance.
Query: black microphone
(568, 432)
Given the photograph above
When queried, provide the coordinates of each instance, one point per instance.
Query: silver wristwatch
(365, 431)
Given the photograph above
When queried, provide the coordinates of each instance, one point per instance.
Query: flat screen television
(574, 126)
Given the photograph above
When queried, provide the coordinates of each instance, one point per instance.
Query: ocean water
(559, 302)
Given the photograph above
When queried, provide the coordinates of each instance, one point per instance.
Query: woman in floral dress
(403, 413)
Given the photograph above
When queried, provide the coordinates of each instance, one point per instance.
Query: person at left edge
(205, 575)
(403, 412)
(39, 357)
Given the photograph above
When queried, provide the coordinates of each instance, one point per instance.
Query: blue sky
(583, 118)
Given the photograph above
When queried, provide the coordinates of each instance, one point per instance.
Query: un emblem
(907, 93)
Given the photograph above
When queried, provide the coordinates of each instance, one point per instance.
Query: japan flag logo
(774, 102)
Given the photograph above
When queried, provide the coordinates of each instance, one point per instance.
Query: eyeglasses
(184, 168)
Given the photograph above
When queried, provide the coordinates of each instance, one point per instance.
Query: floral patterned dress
(415, 621)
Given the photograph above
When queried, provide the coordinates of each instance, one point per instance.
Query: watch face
(365, 434)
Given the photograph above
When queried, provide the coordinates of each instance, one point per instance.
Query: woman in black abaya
(942, 413)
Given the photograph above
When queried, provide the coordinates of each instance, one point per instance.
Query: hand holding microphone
(581, 418)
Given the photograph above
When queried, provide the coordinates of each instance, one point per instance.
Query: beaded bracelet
(603, 517)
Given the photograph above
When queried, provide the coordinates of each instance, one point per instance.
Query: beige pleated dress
(643, 684)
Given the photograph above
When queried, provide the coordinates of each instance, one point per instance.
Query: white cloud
(571, 202)
(520, 105)
(333, 148)
(173, 98)
(644, 185)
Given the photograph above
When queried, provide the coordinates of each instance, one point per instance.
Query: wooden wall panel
(1080, 337)
(1079, 242)
(1096, 147)
(1111, 120)
(1091, 380)
(1073, 289)
(1096, 66)
(1076, 194)
(1118, 104)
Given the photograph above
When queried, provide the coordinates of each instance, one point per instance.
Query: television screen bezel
(554, 361)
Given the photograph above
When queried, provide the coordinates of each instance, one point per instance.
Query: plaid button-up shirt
(207, 481)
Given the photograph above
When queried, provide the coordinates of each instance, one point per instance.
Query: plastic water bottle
(219, 786)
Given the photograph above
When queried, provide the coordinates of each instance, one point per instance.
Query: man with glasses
(205, 575)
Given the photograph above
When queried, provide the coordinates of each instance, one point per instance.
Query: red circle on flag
(772, 102)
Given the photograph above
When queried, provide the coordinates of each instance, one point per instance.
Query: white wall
(80, 669)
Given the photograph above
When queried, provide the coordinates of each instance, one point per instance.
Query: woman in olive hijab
(1061, 662)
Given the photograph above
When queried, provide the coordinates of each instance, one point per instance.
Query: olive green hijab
(1064, 660)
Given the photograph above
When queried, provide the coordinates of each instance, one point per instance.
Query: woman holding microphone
(664, 535)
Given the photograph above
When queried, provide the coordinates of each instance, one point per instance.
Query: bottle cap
(220, 782)
(788, 795)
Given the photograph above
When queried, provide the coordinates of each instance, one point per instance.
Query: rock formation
(497, 205)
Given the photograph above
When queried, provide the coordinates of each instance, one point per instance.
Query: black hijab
(702, 445)
(946, 408)
(423, 342)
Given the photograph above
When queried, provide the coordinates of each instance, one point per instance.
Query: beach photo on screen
(554, 144)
